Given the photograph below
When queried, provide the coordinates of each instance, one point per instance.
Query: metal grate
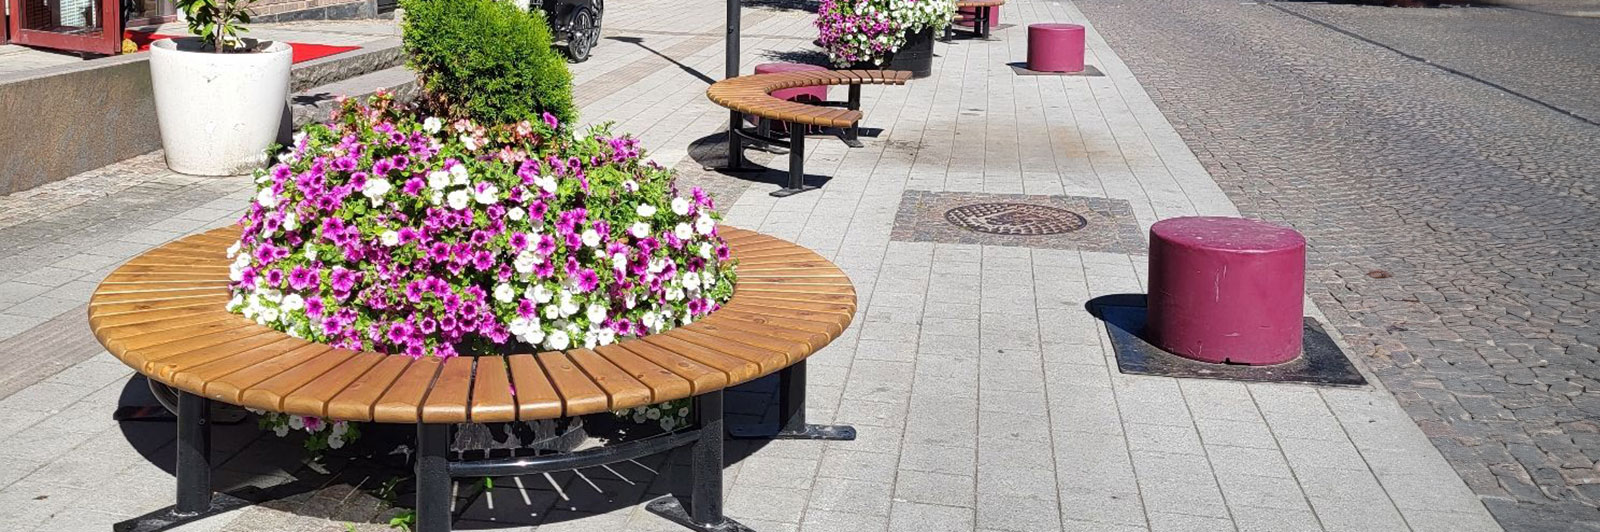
(1019, 219)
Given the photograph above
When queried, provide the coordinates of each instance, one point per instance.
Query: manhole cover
(1019, 219)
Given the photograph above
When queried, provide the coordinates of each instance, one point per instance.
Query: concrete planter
(218, 113)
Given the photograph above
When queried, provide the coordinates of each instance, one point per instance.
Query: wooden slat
(787, 321)
(231, 387)
(312, 399)
(491, 392)
(663, 383)
(766, 338)
(835, 322)
(195, 374)
(115, 309)
(137, 324)
(270, 393)
(357, 401)
(624, 390)
(536, 396)
(447, 400)
(579, 395)
(767, 359)
(167, 368)
(148, 358)
(700, 377)
(402, 403)
(737, 369)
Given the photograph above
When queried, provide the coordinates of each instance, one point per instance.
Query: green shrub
(486, 60)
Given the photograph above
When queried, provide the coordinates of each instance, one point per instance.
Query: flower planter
(916, 56)
(218, 113)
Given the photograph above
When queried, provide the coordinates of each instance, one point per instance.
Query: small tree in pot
(220, 98)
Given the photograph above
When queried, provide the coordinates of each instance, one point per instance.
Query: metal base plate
(168, 518)
(786, 192)
(811, 432)
(852, 143)
(669, 508)
(1021, 69)
(1320, 362)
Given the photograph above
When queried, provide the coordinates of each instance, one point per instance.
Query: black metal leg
(792, 413)
(735, 142)
(983, 17)
(194, 454)
(433, 478)
(797, 162)
(852, 134)
(764, 130)
(705, 474)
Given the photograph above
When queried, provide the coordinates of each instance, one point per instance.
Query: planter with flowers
(219, 97)
(888, 34)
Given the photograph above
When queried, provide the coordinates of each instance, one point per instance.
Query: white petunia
(233, 250)
(591, 238)
(503, 293)
(596, 313)
(459, 175)
(683, 231)
(680, 206)
(459, 199)
(516, 214)
(376, 188)
(438, 179)
(639, 230)
(704, 224)
(389, 238)
(293, 302)
(290, 222)
(645, 210)
(552, 312)
(432, 125)
(557, 340)
(691, 281)
(607, 336)
(487, 194)
(526, 260)
(568, 306)
(471, 144)
(705, 250)
(266, 198)
(436, 198)
(540, 293)
(619, 261)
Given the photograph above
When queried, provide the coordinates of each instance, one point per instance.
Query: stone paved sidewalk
(985, 395)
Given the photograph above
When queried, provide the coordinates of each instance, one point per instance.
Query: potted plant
(888, 34)
(220, 98)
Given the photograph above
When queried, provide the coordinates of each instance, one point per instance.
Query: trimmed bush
(486, 60)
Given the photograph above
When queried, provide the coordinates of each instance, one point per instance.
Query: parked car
(575, 22)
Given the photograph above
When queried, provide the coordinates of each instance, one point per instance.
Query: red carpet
(302, 51)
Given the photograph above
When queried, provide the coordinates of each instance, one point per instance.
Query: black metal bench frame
(982, 20)
(761, 135)
(435, 470)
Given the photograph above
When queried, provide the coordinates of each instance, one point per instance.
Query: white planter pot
(218, 112)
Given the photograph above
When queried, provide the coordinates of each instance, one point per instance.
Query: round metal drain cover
(1018, 219)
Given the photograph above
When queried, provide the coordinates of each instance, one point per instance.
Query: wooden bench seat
(752, 95)
(162, 314)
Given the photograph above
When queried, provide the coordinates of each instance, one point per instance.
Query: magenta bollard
(1055, 47)
(814, 93)
(1226, 290)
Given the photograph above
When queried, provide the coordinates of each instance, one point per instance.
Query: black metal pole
(792, 399)
(433, 477)
(706, 461)
(731, 62)
(797, 156)
(194, 454)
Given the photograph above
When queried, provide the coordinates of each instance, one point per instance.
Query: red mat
(302, 51)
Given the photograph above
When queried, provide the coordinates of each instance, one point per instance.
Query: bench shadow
(370, 481)
(710, 153)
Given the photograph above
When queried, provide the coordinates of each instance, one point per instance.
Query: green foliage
(487, 60)
(217, 23)
(404, 521)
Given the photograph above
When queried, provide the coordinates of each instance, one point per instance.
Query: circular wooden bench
(982, 16)
(162, 313)
(752, 95)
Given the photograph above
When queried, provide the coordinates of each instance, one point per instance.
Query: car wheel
(582, 37)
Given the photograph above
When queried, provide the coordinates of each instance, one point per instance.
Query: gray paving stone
(855, 497)
(917, 517)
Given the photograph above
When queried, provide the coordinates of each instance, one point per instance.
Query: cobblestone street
(1454, 227)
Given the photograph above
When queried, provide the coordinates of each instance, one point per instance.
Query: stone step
(315, 104)
(371, 57)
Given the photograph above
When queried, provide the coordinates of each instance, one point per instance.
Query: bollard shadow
(370, 481)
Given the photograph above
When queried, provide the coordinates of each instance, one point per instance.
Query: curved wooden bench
(752, 95)
(162, 313)
(982, 16)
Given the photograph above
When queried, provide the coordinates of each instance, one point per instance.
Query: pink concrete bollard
(814, 93)
(1226, 290)
(1055, 47)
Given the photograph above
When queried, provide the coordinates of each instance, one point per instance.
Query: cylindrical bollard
(1055, 47)
(1226, 290)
